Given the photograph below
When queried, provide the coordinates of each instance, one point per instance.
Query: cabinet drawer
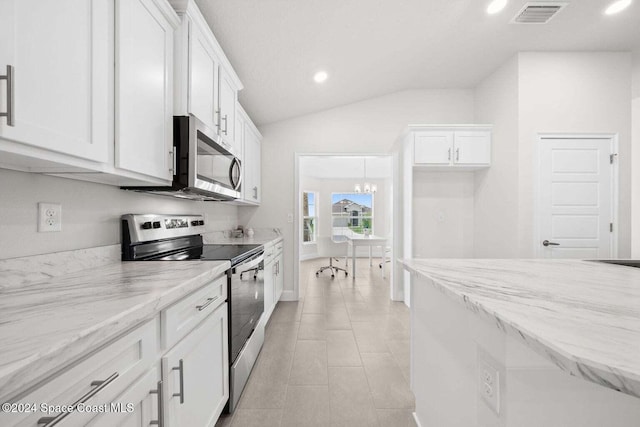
(180, 318)
(96, 380)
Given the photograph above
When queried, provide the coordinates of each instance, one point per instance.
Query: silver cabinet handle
(205, 305)
(160, 421)
(457, 154)
(255, 193)
(225, 124)
(180, 368)
(98, 386)
(217, 122)
(9, 114)
(548, 243)
(449, 154)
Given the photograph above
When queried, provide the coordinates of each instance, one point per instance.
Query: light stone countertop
(583, 316)
(48, 324)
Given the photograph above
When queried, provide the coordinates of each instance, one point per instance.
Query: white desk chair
(338, 237)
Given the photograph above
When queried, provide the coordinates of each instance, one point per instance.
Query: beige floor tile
(313, 305)
(342, 349)
(350, 399)
(396, 418)
(267, 385)
(312, 327)
(257, 418)
(309, 363)
(225, 420)
(401, 351)
(337, 319)
(286, 311)
(281, 337)
(361, 312)
(306, 406)
(388, 386)
(368, 337)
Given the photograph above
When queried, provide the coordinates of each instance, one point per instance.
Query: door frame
(615, 187)
(297, 209)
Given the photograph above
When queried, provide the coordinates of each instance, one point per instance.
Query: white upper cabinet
(433, 148)
(205, 85)
(61, 56)
(448, 149)
(227, 109)
(144, 87)
(251, 160)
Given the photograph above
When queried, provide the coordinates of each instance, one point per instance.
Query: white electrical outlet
(49, 217)
(289, 218)
(489, 383)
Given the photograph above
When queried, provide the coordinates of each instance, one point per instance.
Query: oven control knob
(194, 223)
(201, 222)
(146, 225)
(156, 224)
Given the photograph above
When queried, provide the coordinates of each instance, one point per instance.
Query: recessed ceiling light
(320, 76)
(617, 6)
(496, 6)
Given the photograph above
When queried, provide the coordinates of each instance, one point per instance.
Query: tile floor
(337, 357)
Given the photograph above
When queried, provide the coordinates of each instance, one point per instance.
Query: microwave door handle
(235, 165)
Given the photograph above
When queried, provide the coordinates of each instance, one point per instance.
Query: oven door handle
(250, 264)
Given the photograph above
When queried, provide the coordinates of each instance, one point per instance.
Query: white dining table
(362, 240)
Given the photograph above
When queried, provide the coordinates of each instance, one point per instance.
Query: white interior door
(576, 198)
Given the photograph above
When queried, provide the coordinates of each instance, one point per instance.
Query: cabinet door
(137, 407)
(472, 147)
(63, 80)
(280, 278)
(269, 288)
(144, 95)
(196, 374)
(203, 77)
(433, 148)
(228, 98)
(252, 165)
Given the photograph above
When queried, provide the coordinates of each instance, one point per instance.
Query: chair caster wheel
(346, 274)
(316, 274)
(332, 276)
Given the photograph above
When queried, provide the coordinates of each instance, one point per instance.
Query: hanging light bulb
(357, 189)
(367, 187)
(374, 188)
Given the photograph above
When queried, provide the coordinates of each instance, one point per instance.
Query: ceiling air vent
(538, 12)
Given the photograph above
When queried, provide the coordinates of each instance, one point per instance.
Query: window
(352, 213)
(309, 219)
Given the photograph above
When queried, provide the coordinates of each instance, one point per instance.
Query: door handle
(449, 154)
(548, 243)
(10, 113)
(457, 154)
(225, 124)
(180, 368)
(160, 421)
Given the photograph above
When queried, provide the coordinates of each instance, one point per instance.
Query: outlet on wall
(489, 382)
(49, 217)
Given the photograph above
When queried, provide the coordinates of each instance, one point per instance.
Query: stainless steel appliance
(204, 167)
(178, 238)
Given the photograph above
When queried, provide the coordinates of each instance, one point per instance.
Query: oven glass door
(246, 302)
(215, 165)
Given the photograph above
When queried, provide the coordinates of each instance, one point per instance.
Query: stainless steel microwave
(205, 168)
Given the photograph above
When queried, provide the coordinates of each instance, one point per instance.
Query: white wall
(443, 217)
(90, 213)
(370, 126)
(496, 188)
(568, 92)
(635, 153)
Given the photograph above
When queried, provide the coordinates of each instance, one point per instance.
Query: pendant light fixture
(368, 187)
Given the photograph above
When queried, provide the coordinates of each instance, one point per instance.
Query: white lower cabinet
(195, 374)
(269, 282)
(138, 406)
(279, 277)
(97, 380)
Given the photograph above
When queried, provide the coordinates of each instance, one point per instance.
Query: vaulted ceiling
(375, 47)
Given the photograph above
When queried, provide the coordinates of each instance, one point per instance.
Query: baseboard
(416, 420)
(288, 296)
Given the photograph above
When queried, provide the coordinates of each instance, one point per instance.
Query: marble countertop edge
(613, 377)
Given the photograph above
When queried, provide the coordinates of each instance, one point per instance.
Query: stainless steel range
(179, 238)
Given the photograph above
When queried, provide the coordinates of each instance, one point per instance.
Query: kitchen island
(525, 343)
